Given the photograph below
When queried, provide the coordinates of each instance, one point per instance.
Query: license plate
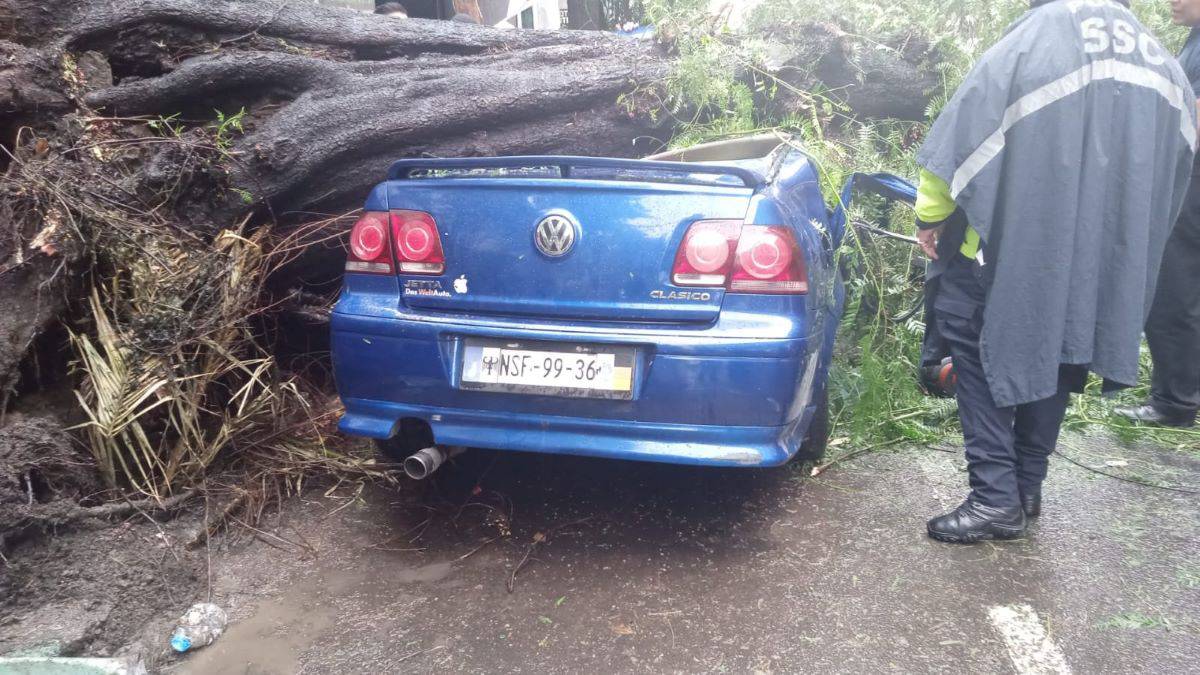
(593, 371)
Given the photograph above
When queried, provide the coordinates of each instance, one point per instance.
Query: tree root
(60, 513)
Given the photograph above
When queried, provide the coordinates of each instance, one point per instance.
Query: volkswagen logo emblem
(555, 235)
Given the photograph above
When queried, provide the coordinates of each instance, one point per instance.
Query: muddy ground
(633, 567)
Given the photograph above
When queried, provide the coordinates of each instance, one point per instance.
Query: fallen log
(334, 95)
(346, 122)
(327, 123)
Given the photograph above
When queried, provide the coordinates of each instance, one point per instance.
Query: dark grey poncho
(1069, 147)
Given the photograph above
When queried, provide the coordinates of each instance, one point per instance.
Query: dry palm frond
(171, 336)
(115, 399)
(161, 412)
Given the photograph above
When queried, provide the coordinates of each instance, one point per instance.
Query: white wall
(545, 12)
(547, 16)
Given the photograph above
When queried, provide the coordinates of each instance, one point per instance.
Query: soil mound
(40, 469)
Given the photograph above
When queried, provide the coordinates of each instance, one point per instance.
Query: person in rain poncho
(1173, 328)
(1048, 188)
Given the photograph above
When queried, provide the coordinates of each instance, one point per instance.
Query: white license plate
(584, 370)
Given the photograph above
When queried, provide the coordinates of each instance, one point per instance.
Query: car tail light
(706, 255)
(418, 244)
(768, 260)
(369, 250)
(743, 258)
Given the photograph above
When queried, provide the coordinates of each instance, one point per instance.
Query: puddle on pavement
(273, 638)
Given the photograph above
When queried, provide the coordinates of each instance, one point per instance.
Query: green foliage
(1156, 15)
(225, 127)
(245, 195)
(1096, 411)
(705, 84)
(223, 131)
(874, 387)
(168, 127)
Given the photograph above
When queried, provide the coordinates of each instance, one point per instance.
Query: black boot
(1031, 504)
(972, 522)
(1150, 414)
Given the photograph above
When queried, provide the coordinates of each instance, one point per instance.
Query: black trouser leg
(1173, 329)
(988, 430)
(1008, 449)
(1035, 435)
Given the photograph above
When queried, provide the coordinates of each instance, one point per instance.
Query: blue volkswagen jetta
(679, 309)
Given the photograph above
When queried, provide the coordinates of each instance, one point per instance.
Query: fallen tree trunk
(346, 122)
(335, 95)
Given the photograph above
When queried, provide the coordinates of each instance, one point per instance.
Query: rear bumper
(697, 400)
(613, 439)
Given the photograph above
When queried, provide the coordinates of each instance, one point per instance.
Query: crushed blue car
(678, 309)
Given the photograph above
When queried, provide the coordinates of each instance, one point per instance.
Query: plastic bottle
(199, 627)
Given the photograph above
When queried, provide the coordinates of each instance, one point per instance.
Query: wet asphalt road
(665, 569)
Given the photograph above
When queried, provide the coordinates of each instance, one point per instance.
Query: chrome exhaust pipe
(423, 463)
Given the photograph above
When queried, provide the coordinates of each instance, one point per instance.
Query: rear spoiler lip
(402, 169)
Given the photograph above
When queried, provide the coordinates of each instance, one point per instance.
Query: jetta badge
(555, 236)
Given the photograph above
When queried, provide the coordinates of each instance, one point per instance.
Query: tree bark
(888, 77)
(378, 36)
(351, 119)
(406, 88)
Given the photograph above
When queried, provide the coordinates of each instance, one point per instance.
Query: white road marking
(1031, 650)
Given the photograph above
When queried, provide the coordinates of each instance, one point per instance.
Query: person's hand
(929, 240)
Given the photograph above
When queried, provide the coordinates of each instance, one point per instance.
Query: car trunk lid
(591, 240)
